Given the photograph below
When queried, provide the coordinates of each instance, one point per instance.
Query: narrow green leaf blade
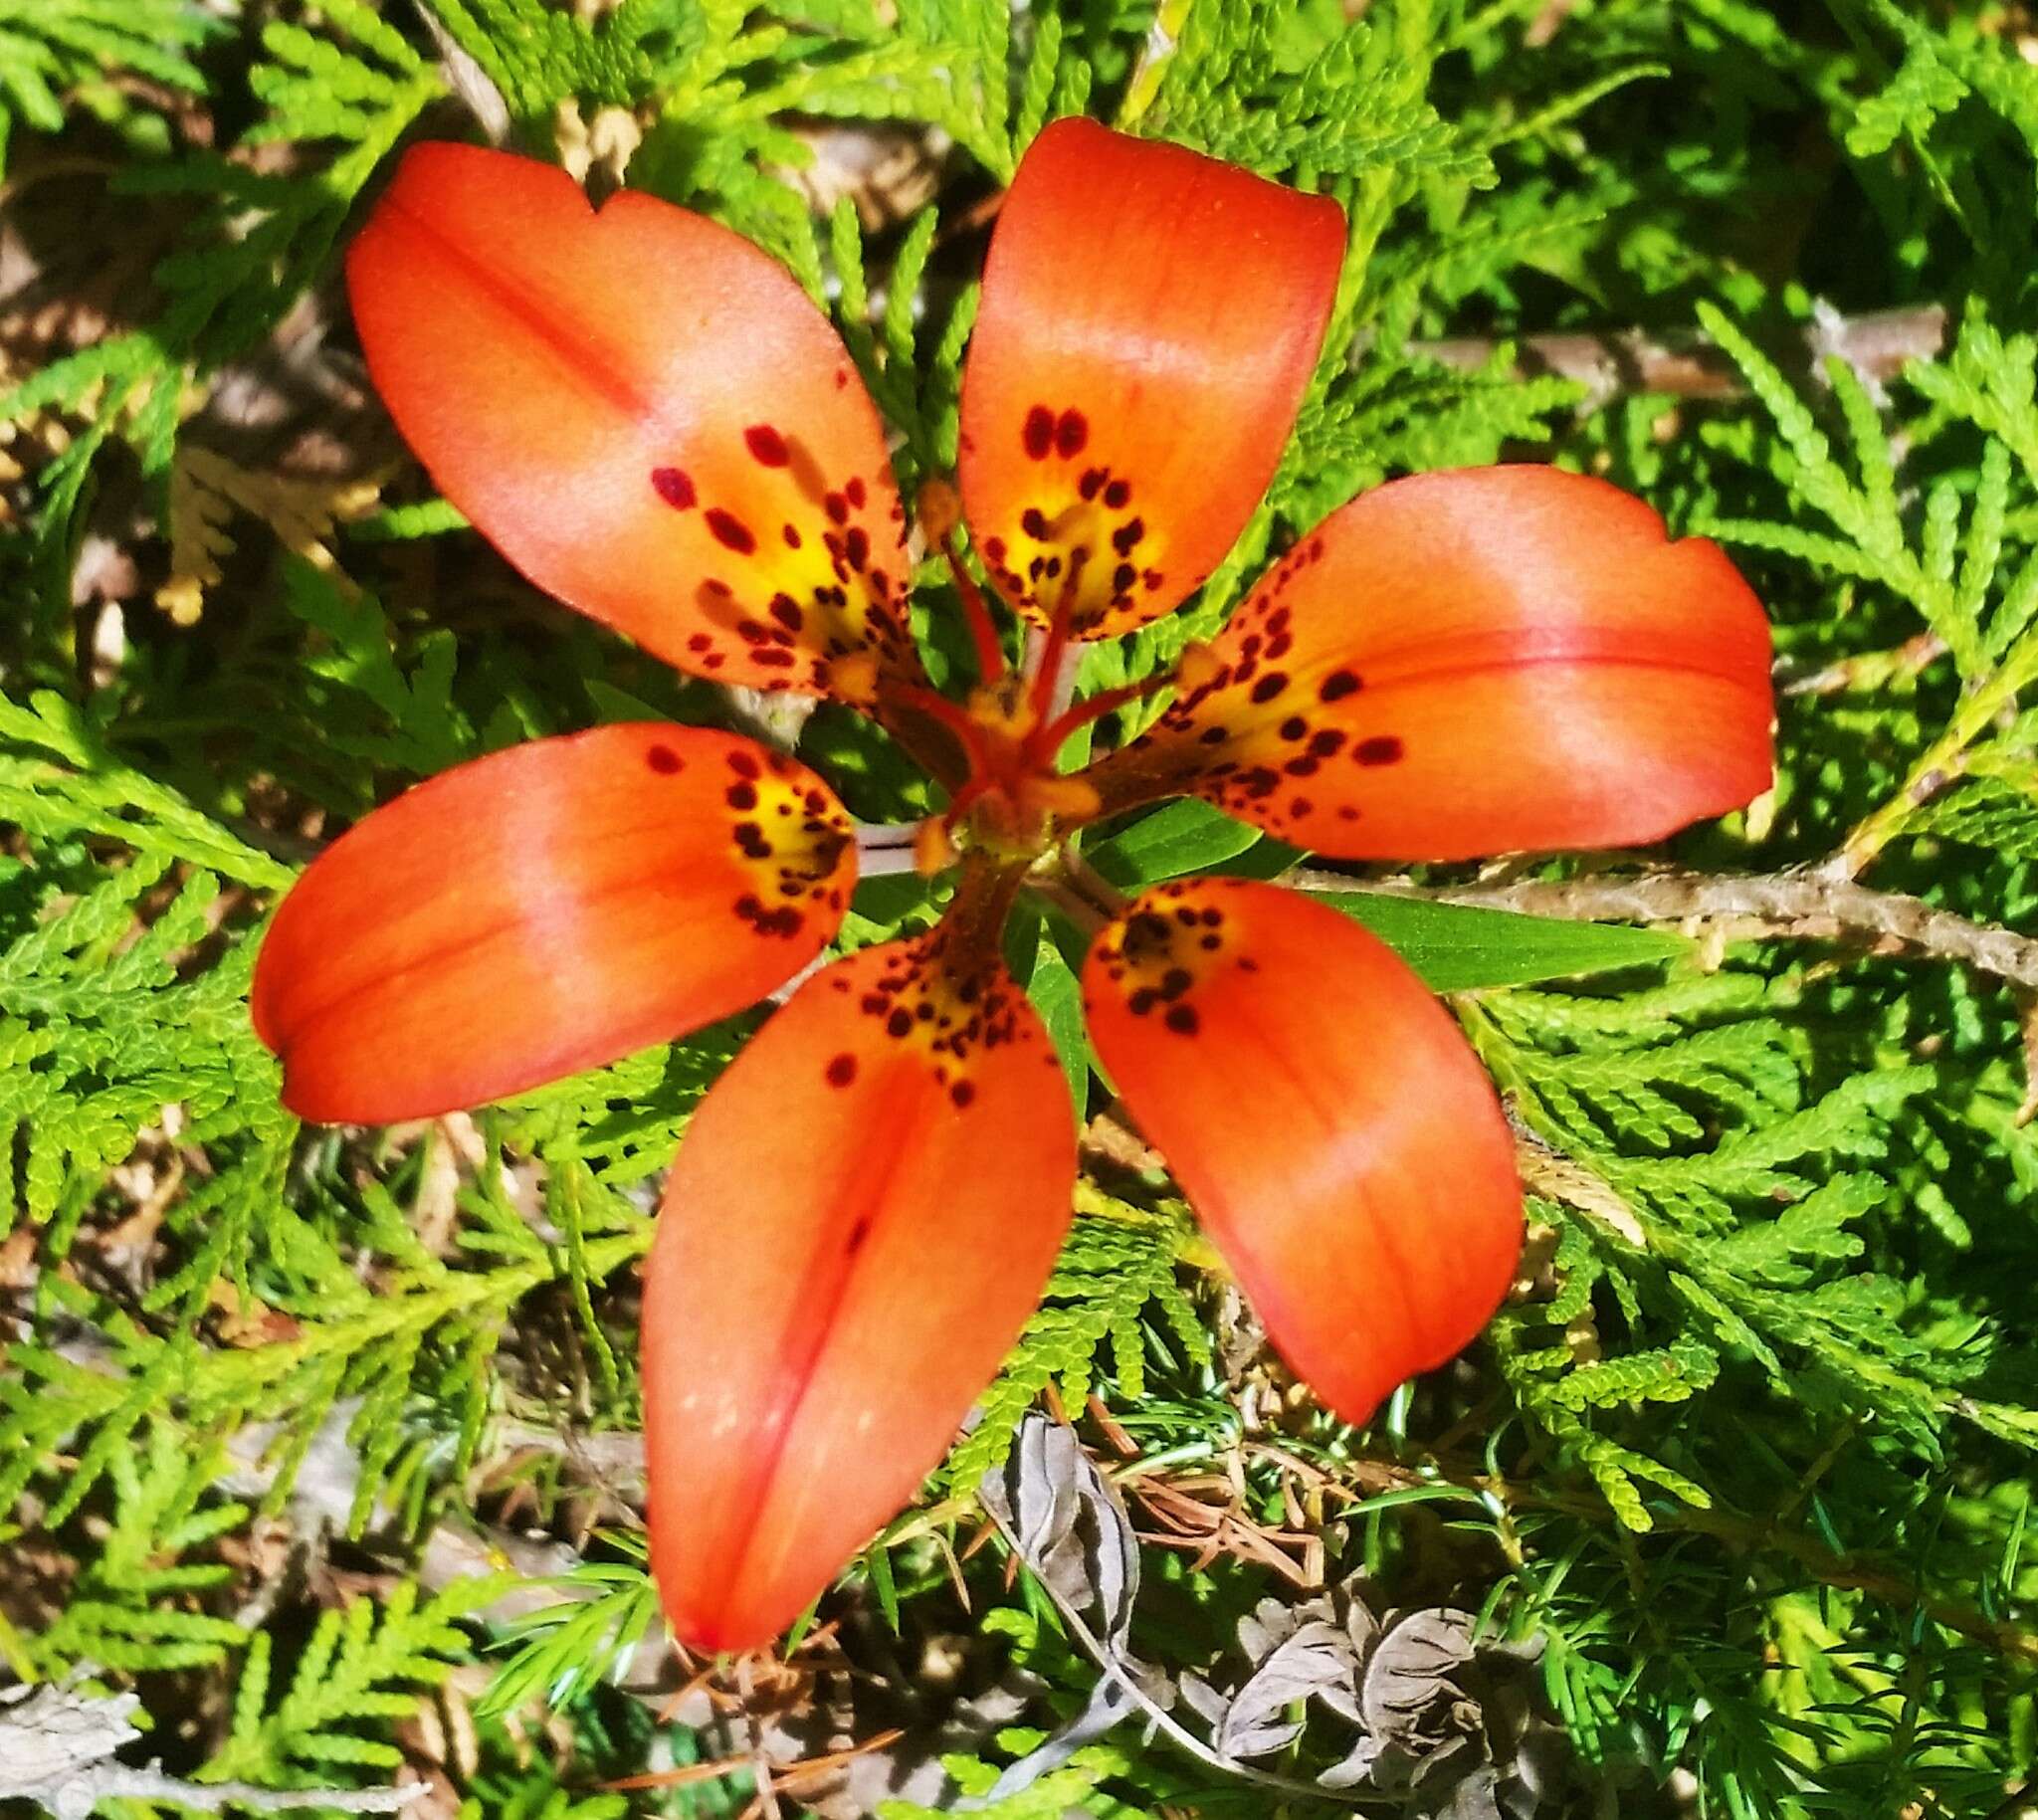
(1457, 948)
(1057, 995)
(1185, 836)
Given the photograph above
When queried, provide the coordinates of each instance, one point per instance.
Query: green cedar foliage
(1751, 1447)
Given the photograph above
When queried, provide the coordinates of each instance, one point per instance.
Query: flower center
(1013, 804)
(1016, 805)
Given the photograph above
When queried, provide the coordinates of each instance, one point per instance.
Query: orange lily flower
(648, 416)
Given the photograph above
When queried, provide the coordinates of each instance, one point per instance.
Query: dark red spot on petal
(1038, 434)
(1071, 431)
(674, 487)
(662, 759)
(1338, 685)
(1269, 686)
(1118, 494)
(785, 920)
(1381, 748)
(742, 796)
(730, 530)
(1183, 1019)
(842, 1070)
(855, 491)
(1033, 522)
(766, 444)
(962, 1093)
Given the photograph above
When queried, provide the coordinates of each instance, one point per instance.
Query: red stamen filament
(952, 715)
(964, 799)
(983, 630)
(1050, 661)
(1049, 739)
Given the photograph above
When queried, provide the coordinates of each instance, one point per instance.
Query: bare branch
(1876, 345)
(1790, 906)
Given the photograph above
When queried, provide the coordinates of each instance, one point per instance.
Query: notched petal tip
(857, 1226)
(695, 466)
(1325, 1119)
(1150, 322)
(1475, 662)
(546, 910)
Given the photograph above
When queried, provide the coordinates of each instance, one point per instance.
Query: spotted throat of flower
(1012, 807)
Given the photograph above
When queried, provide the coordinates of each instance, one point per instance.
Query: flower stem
(1079, 890)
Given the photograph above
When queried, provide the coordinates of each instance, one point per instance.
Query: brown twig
(1831, 1570)
(1872, 668)
(1878, 345)
(1788, 906)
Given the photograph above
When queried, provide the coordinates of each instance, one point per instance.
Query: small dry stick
(1878, 345)
(1801, 906)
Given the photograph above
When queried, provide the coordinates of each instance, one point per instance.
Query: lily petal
(543, 909)
(642, 411)
(1150, 322)
(1325, 1119)
(859, 1223)
(1486, 660)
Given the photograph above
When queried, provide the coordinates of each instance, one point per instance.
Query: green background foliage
(1750, 1449)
